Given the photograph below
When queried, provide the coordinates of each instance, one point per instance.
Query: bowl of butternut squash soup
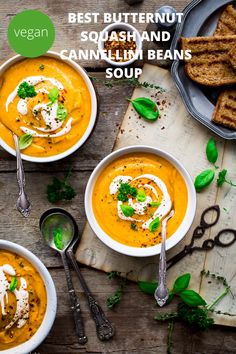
(131, 192)
(49, 103)
(28, 300)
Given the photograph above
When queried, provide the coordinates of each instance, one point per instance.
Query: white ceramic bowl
(93, 116)
(125, 27)
(51, 309)
(137, 251)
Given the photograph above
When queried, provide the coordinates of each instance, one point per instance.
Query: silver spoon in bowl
(104, 328)
(161, 294)
(23, 204)
(58, 233)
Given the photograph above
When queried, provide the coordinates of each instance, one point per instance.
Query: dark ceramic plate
(200, 19)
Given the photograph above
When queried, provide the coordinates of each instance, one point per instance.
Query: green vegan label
(31, 33)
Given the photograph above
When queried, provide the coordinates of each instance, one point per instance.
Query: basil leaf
(13, 284)
(211, 151)
(181, 283)
(61, 112)
(127, 210)
(25, 140)
(57, 238)
(204, 179)
(154, 225)
(53, 94)
(170, 298)
(147, 287)
(141, 196)
(155, 204)
(221, 178)
(146, 108)
(191, 298)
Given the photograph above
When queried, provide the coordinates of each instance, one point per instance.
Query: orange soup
(47, 101)
(133, 195)
(23, 300)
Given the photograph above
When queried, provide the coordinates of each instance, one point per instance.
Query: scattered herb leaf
(192, 298)
(13, 284)
(141, 196)
(25, 140)
(155, 204)
(154, 225)
(147, 287)
(127, 210)
(204, 179)
(222, 179)
(57, 238)
(146, 108)
(181, 283)
(132, 82)
(61, 112)
(133, 226)
(25, 90)
(41, 67)
(53, 94)
(211, 151)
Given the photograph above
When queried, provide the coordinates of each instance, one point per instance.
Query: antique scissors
(209, 244)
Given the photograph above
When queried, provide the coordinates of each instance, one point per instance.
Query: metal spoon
(104, 328)
(23, 204)
(161, 294)
(51, 227)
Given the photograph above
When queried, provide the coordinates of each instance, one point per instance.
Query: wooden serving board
(179, 134)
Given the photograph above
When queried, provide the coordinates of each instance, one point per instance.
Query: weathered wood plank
(136, 330)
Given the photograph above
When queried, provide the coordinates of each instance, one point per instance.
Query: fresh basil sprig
(25, 140)
(206, 177)
(146, 108)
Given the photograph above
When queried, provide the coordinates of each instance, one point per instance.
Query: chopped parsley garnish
(127, 210)
(126, 191)
(61, 112)
(25, 90)
(41, 67)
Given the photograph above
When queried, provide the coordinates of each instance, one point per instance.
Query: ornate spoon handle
(161, 293)
(23, 204)
(75, 306)
(104, 328)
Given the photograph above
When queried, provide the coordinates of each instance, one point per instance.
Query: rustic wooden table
(136, 331)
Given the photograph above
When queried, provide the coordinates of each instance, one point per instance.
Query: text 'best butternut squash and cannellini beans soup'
(23, 300)
(133, 195)
(48, 100)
